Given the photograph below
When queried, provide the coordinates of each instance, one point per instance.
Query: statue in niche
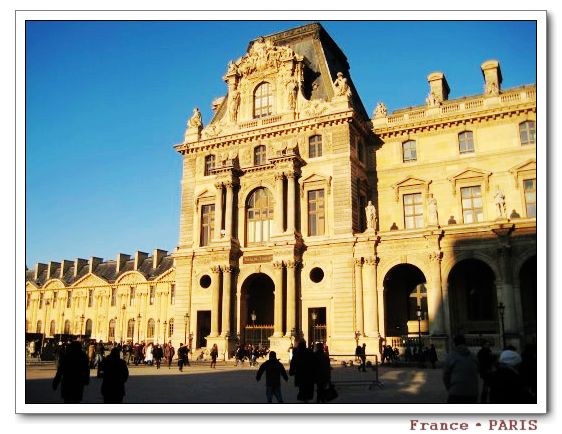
(234, 103)
(380, 110)
(341, 86)
(196, 121)
(371, 214)
(292, 88)
(433, 218)
(499, 201)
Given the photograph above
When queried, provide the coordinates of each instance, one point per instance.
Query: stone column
(226, 290)
(359, 296)
(291, 205)
(215, 300)
(278, 294)
(435, 296)
(506, 293)
(279, 209)
(370, 298)
(291, 296)
(228, 211)
(218, 210)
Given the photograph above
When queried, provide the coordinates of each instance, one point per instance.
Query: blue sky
(105, 102)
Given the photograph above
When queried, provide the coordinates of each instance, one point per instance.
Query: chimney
(438, 86)
(492, 77)
(66, 264)
(157, 257)
(121, 259)
(52, 268)
(93, 264)
(139, 257)
(39, 268)
(78, 264)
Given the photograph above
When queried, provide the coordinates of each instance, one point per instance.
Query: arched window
(88, 330)
(112, 329)
(171, 327)
(263, 100)
(315, 146)
(259, 216)
(52, 329)
(466, 142)
(209, 164)
(67, 327)
(409, 151)
(39, 327)
(528, 133)
(259, 155)
(130, 328)
(150, 328)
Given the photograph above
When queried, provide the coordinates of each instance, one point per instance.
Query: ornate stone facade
(302, 217)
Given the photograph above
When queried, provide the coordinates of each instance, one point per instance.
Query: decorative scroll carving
(278, 265)
(380, 111)
(215, 269)
(435, 256)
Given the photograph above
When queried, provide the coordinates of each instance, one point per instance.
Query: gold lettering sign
(257, 259)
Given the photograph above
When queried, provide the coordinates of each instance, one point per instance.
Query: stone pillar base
(280, 344)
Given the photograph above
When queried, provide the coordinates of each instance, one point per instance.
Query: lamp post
(165, 330)
(419, 315)
(157, 329)
(253, 316)
(314, 315)
(357, 334)
(185, 320)
(122, 321)
(138, 326)
(81, 326)
(501, 310)
(62, 324)
(190, 342)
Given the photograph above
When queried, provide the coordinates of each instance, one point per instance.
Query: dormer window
(263, 100)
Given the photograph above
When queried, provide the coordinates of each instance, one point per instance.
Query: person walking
(169, 354)
(506, 382)
(157, 353)
(149, 357)
(182, 351)
(303, 368)
(100, 352)
(323, 374)
(115, 375)
(274, 370)
(72, 374)
(214, 355)
(460, 374)
(432, 355)
(362, 357)
(485, 365)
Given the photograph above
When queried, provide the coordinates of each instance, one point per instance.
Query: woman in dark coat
(72, 374)
(303, 368)
(323, 374)
(115, 374)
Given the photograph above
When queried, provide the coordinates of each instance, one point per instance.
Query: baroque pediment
(408, 182)
(316, 180)
(528, 168)
(470, 174)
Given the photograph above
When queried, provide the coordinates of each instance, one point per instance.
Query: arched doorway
(472, 292)
(528, 290)
(257, 310)
(404, 294)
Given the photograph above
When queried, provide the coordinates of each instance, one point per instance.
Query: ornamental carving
(314, 107)
(380, 111)
(435, 256)
(278, 265)
(215, 269)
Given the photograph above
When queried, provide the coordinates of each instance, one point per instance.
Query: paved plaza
(229, 384)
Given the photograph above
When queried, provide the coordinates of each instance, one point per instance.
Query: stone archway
(257, 298)
(528, 291)
(404, 291)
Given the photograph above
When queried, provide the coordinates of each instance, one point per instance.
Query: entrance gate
(258, 335)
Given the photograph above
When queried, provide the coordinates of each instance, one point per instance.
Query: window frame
(461, 142)
(315, 143)
(260, 155)
(413, 205)
(266, 214)
(266, 110)
(209, 164)
(482, 190)
(526, 203)
(415, 146)
(172, 293)
(206, 224)
(528, 131)
(317, 215)
(68, 299)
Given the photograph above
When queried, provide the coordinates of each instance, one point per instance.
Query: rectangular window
(413, 211)
(472, 204)
(132, 296)
(113, 296)
(209, 164)
(316, 212)
(315, 146)
(28, 301)
(151, 295)
(173, 294)
(409, 151)
(528, 133)
(41, 295)
(68, 299)
(55, 294)
(207, 224)
(90, 297)
(530, 188)
(466, 142)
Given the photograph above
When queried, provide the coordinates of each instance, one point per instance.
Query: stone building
(303, 217)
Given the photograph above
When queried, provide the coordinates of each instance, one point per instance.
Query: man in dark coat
(72, 374)
(460, 374)
(273, 373)
(115, 374)
(323, 374)
(182, 355)
(157, 353)
(485, 364)
(303, 368)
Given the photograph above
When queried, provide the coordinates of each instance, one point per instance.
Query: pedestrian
(72, 374)
(323, 374)
(432, 355)
(100, 352)
(485, 364)
(115, 375)
(214, 355)
(362, 357)
(157, 353)
(460, 374)
(91, 354)
(274, 370)
(303, 368)
(506, 382)
(290, 350)
(169, 353)
(149, 358)
(182, 350)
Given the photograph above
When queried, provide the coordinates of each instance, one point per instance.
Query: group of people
(249, 352)
(507, 378)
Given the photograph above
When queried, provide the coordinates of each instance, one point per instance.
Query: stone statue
(196, 121)
(499, 201)
(380, 110)
(433, 218)
(371, 214)
(341, 86)
(292, 94)
(233, 105)
(492, 88)
(232, 68)
(432, 100)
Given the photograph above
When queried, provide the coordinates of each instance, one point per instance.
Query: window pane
(531, 210)
(467, 216)
(409, 222)
(408, 199)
